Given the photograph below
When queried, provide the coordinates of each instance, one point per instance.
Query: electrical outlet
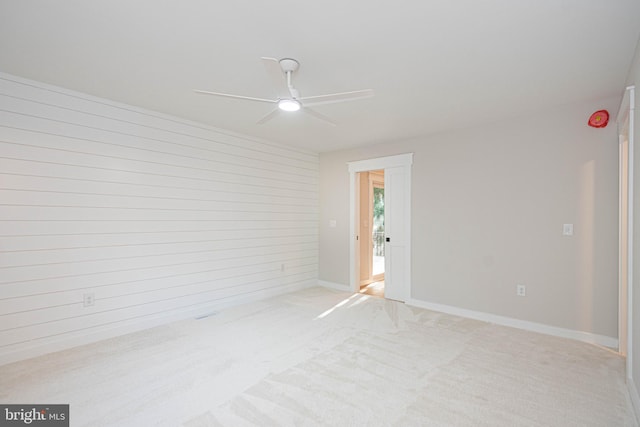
(567, 229)
(88, 299)
(521, 290)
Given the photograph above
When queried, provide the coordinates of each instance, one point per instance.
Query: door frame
(401, 160)
(623, 243)
(625, 122)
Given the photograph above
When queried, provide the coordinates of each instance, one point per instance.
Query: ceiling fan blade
(318, 116)
(269, 116)
(228, 95)
(277, 76)
(337, 97)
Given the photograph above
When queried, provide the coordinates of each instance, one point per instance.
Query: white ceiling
(434, 65)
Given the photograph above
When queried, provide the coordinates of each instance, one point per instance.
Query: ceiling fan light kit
(289, 105)
(289, 99)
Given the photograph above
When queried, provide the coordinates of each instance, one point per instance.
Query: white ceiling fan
(289, 99)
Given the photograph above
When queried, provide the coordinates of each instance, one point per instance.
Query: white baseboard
(635, 398)
(333, 285)
(69, 340)
(601, 340)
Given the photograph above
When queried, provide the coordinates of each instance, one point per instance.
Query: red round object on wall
(599, 119)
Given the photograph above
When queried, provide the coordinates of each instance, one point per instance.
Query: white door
(396, 239)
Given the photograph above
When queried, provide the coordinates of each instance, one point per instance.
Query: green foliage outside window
(378, 206)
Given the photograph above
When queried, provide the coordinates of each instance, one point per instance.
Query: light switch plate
(333, 223)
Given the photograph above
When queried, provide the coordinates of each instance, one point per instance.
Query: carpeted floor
(322, 357)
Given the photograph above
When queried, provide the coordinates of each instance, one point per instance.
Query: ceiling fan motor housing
(289, 65)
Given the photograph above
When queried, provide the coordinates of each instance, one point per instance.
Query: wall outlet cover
(88, 299)
(567, 229)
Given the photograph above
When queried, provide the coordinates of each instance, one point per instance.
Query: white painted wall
(159, 218)
(488, 205)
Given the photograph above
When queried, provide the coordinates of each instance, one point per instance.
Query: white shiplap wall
(158, 218)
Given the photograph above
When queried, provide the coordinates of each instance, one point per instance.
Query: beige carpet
(322, 357)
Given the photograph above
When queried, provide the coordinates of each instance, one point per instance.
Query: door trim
(625, 124)
(623, 245)
(401, 160)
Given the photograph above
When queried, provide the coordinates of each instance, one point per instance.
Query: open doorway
(372, 232)
(397, 224)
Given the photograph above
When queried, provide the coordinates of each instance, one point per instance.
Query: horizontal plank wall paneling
(154, 217)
